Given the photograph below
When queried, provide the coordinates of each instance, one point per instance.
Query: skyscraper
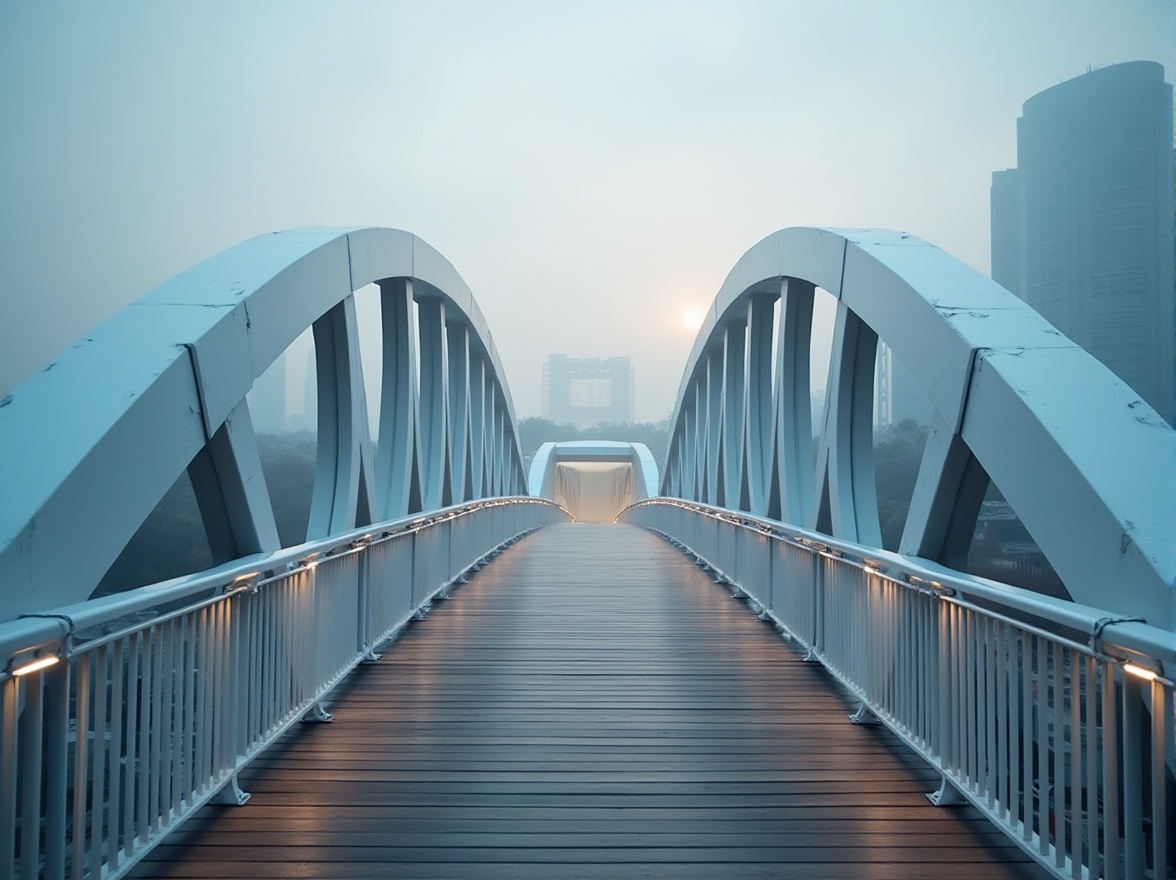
(584, 391)
(1082, 228)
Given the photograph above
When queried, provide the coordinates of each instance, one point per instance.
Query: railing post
(1161, 713)
(1133, 753)
(9, 698)
(817, 645)
(56, 767)
(30, 777)
(365, 628)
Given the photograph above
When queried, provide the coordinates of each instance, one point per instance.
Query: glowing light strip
(36, 665)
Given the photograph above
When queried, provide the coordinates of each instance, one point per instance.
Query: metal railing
(122, 716)
(1055, 720)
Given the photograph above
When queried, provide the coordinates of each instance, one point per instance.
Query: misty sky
(592, 169)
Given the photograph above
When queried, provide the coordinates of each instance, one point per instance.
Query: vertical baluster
(1001, 756)
(943, 681)
(955, 678)
(189, 781)
(1016, 721)
(159, 715)
(1029, 719)
(271, 655)
(1058, 747)
(181, 744)
(1042, 705)
(167, 730)
(100, 751)
(991, 768)
(118, 769)
(977, 701)
(1093, 746)
(31, 722)
(920, 666)
(1161, 714)
(133, 723)
(238, 683)
(1134, 855)
(81, 766)
(202, 669)
(9, 757)
(1077, 745)
(57, 769)
(252, 715)
(285, 634)
(1112, 852)
(906, 650)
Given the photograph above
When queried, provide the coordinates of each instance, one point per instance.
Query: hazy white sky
(592, 169)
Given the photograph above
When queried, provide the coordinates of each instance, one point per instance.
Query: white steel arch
(1088, 466)
(90, 444)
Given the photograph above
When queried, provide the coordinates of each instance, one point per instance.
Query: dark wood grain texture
(591, 705)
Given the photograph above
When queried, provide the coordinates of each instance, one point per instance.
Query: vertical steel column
(734, 417)
(845, 463)
(458, 347)
(397, 469)
(492, 443)
(757, 402)
(230, 489)
(686, 446)
(341, 498)
(791, 500)
(477, 395)
(434, 406)
(714, 430)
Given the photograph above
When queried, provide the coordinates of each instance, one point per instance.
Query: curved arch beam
(90, 444)
(1083, 460)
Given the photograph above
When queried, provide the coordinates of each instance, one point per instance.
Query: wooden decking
(590, 705)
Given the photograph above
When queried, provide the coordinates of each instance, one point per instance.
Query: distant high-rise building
(584, 391)
(1082, 228)
(898, 395)
(267, 399)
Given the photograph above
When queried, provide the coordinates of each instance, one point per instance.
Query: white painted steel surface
(1029, 706)
(90, 444)
(1088, 465)
(164, 693)
(541, 476)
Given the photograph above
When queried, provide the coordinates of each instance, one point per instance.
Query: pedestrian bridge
(671, 695)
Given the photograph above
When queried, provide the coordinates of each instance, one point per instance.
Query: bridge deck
(590, 705)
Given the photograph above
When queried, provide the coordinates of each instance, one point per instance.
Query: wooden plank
(590, 705)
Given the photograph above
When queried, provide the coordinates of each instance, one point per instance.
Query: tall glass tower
(1082, 228)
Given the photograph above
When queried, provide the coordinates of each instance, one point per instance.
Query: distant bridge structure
(594, 480)
(122, 717)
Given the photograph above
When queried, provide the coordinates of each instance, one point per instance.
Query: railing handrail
(1108, 630)
(51, 628)
(123, 716)
(1054, 720)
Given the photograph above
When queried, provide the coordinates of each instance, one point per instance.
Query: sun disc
(692, 318)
